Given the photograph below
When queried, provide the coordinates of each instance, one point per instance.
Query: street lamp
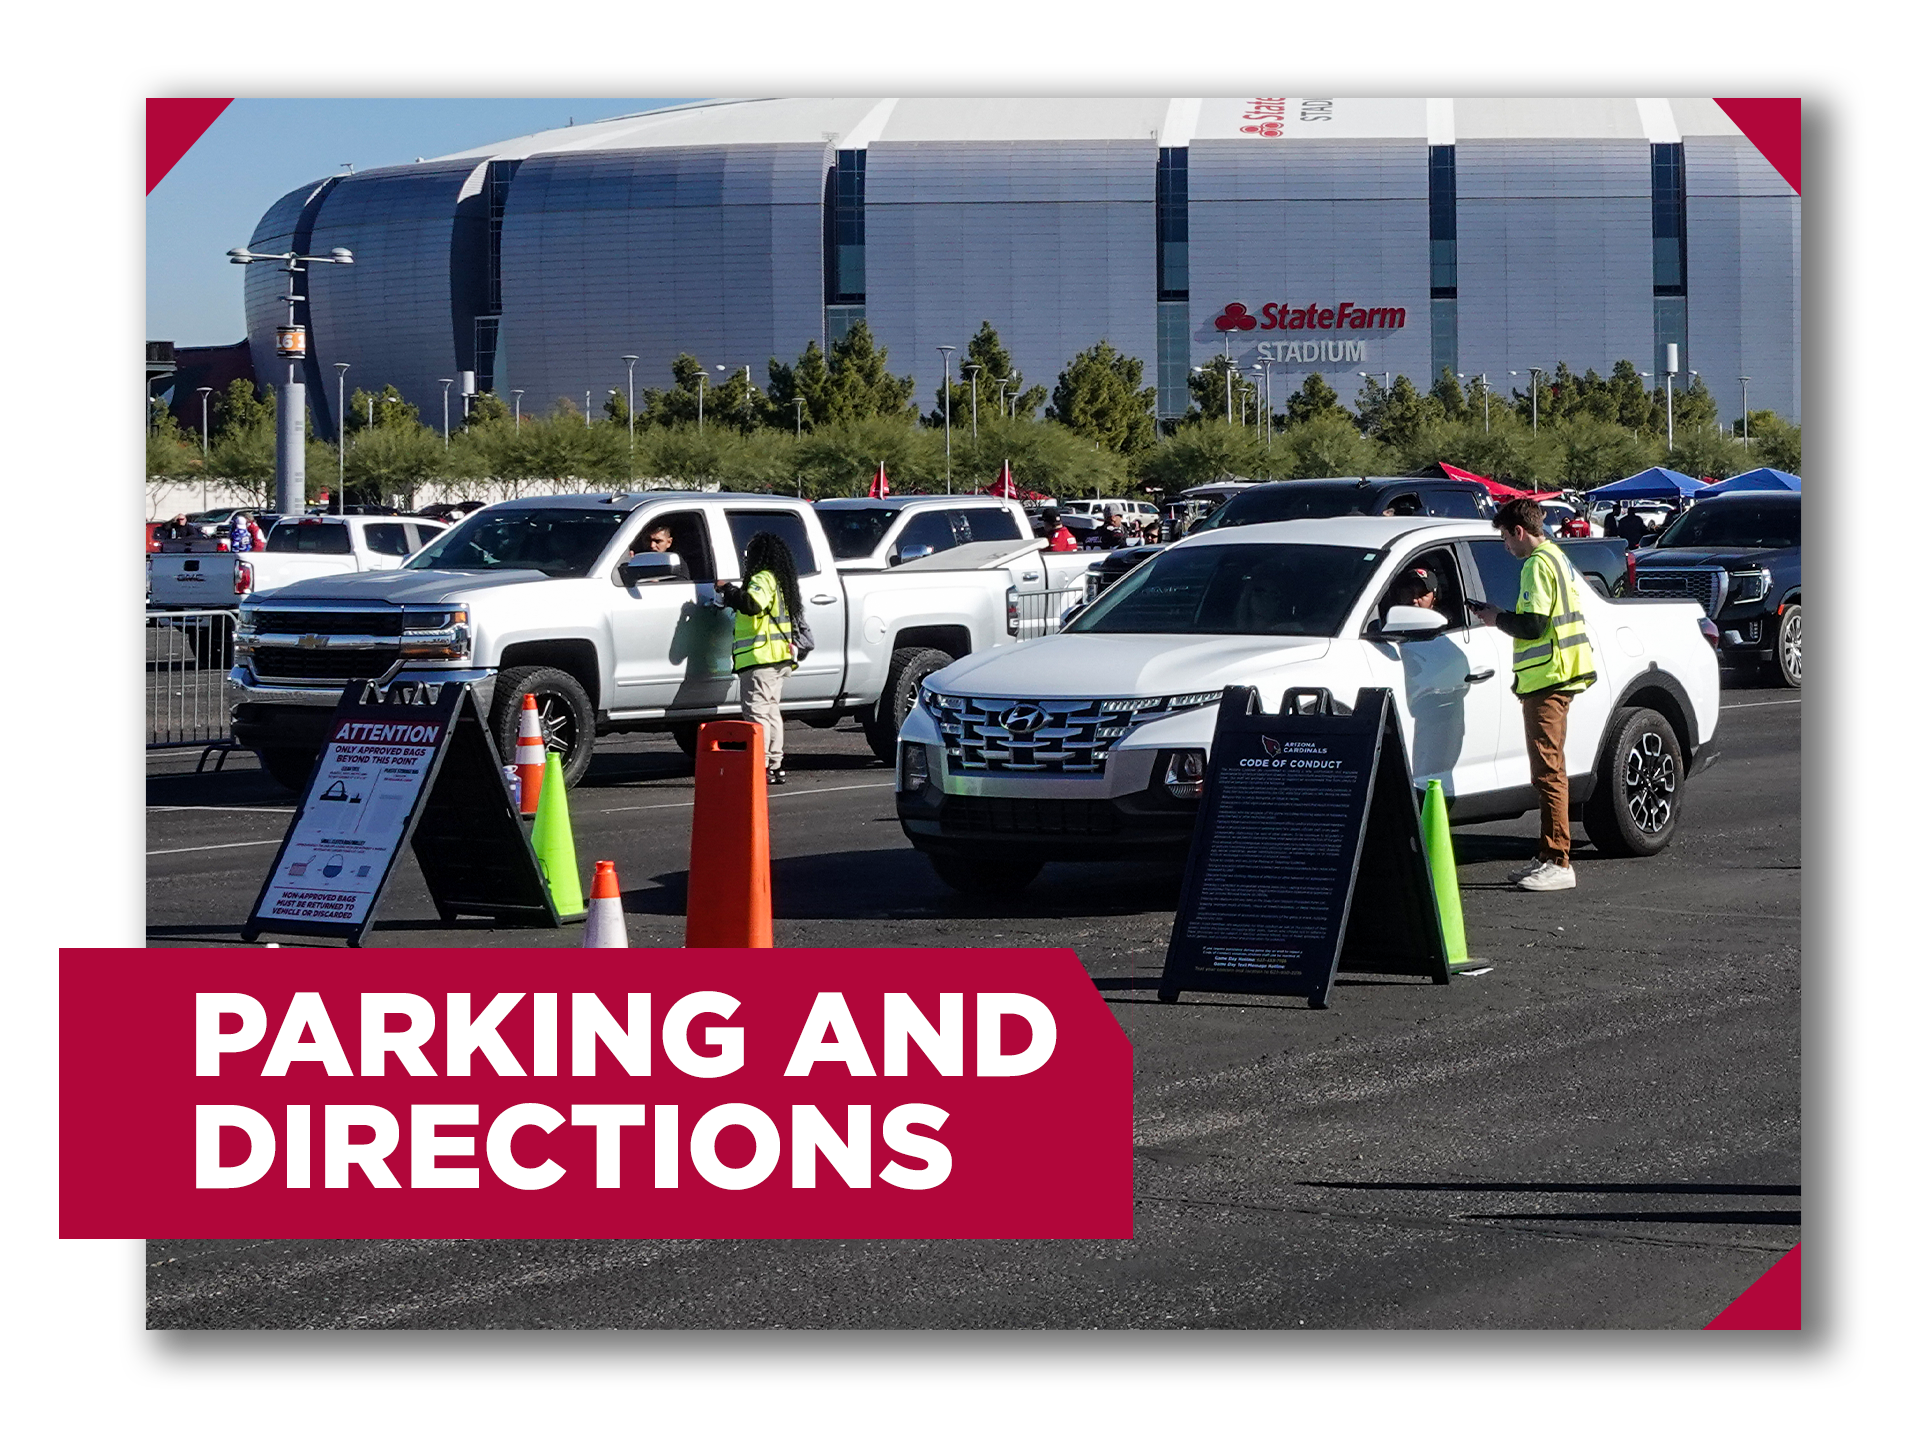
(1534, 372)
(290, 417)
(1003, 395)
(946, 405)
(1486, 404)
(746, 370)
(973, 410)
(340, 501)
(589, 409)
(631, 360)
(205, 444)
(446, 423)
(700, 405)
(1744, 379)
(516, 408)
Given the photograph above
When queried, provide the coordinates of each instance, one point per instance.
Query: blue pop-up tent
(1765, 478)
(1654, 483)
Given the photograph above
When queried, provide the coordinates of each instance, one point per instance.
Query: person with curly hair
(769, 638)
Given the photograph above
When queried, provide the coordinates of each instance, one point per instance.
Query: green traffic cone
(553, 842)
(1446, 883)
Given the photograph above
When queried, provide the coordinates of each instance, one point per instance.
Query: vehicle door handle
(1031, 575)
(821, 599)
(1474, 677)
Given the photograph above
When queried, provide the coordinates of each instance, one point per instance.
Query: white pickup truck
(1091, 744)
(559, 597)
(299, 549)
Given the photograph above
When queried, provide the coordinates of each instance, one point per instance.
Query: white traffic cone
(606, 918)
(530, 756)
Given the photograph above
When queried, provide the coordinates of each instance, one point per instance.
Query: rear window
(1736, 523)
(985, 524)
(852, 534)
(1457, 504)
(745, 524)
(309, 539)
(387, 539)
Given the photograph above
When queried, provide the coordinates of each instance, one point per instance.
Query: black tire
(566, 715)
(211, 638)
(290, 766)
(1639, 780)
(686, 737)
(1785, 669)
(910, 666)
(986, 874)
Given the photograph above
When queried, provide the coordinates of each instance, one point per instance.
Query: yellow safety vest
(1561, 659)
(766, 638)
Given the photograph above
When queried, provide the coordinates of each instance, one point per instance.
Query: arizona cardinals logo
(1272, 745)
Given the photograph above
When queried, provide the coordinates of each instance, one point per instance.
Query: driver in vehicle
(1263, 607)
(1414, 587)
(658, 540)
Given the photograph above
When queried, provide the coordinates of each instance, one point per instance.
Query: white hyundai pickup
(1092, 744)
(559, 597)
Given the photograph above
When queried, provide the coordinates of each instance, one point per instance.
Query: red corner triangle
(172, 127)
(1771, 1303)
(1774, 128)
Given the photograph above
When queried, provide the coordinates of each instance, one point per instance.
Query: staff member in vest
(767, 608)
(1552, 662)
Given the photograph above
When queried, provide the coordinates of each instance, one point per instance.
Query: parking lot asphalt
(1601, 1132)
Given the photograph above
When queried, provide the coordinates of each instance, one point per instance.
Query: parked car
(1088, 745)
(1738, 557)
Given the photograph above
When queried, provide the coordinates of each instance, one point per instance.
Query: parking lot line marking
(230, 845)
(222, 809)
(1757, 704)
(790, 795)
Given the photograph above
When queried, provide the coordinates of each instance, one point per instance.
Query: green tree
(1329, 445)
(1447, 394)
(245, 456)
(683, 402)
(1391, 416)
(1694, 407)
(993, 364)
(1594, 451)
(1210, 449)
(1775, 442)
(1511, 452)
(388, 463)
(797, 393)
(841, 458)
(1313, 400)
(1207, 387)
(1702, 450)
(848, 383)
(1044, 455)
(170, 455)
(388, 407)
(1100, 398)
(241, 407)
(487, 408)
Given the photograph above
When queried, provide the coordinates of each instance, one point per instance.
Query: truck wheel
(986, 874)
(910, 666)
(566, 716)
(290, 767)
(1786, 649)
(686, 737)
(1639, 779)
(212, 639)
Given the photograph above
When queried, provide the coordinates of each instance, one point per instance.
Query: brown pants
(1545, 716)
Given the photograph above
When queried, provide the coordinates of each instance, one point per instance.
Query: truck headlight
(436, 634)
(914, 775)
(1747, 586)
(244, 629)
(1184, 772)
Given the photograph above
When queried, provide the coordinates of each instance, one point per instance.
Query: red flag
(1004, 486)
(878, 489)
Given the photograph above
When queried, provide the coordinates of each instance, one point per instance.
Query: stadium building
(1349, 237)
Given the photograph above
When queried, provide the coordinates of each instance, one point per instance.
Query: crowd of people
(1116, 531)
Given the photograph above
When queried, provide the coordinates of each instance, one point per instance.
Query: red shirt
(1063, 540)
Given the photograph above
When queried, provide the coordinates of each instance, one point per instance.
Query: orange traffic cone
(606, 918)
(530, 755)
(729, 879)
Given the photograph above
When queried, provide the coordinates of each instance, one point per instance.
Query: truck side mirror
(1410, 622)
(904, 553)
(649, 567)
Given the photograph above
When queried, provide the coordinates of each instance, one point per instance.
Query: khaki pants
(760, 698)
(1545, 718)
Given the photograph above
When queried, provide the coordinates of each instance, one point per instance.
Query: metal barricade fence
(1033, 613)
(187, 656)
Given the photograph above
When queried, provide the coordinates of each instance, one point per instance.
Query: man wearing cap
(1552, 662)
(1059, 537)
(1111, 535)
(1414, 587)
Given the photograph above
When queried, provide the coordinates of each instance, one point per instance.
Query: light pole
(746, 370)
(446, 421)
(290, 417)
(973, 413)
(205, 444)
(700, 405)
(946, 405)
(1534, 372)
(799, 402)
(631, 360)
(340, 499)
(1486, 405)
(589, 410)
(1002, 401)
(1744, 379)
(516, 408)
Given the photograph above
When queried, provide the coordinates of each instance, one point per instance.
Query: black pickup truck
(1739, 557)
(1602, 561)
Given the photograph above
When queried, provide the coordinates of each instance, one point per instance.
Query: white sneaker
(1548, 877)
(1533, 865)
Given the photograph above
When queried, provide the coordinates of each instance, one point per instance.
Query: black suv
(1739, 556)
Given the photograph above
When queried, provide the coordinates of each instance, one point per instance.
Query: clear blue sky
(260, 149)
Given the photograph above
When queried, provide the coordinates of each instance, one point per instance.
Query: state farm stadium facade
(1349, 237)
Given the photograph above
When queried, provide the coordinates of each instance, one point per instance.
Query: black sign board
(1308, 854)
(412, 762)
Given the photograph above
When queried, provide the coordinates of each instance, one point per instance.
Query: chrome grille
(1057, 737)
(1705, 587)
(383, 621)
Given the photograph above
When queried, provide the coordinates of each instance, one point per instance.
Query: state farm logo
(1346, 316)
(1266, 116)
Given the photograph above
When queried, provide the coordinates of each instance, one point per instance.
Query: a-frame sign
(409, 763)
(1307, 857)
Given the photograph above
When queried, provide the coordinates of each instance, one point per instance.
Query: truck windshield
(1234, 590)
(316, 537)
(1285, 502)
(1735, 523)
(560, 543)
(852, 534)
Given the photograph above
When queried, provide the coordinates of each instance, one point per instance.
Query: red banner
(172, 128)
(415, 1094)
